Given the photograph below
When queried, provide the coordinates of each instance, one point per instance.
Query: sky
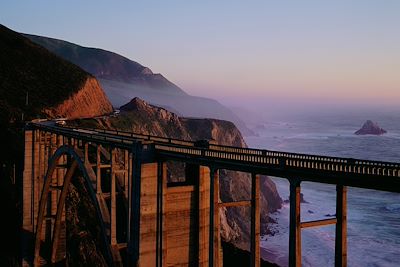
(325, 52)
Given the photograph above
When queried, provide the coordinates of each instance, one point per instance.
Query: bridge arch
(76, 163)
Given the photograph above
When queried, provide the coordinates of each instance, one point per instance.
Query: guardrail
(234, 154)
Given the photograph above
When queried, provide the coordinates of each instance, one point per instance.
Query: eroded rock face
(138, 116)
(370, 127)
(84, 236)
(89, 101)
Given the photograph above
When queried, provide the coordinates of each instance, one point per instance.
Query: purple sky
(311, 51)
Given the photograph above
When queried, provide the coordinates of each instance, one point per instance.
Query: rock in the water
(370, 127)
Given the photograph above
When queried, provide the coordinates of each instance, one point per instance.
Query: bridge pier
(255, 221)
(294, 225)
(341, 227)
(28, 197)
(214, 233)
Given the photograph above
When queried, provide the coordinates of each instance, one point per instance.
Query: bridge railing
(294, 161)
(86, 135)
(139, 136)
(253, 151)
(250, 155)
(301, 156)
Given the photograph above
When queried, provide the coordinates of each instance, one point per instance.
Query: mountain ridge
(127, 79)
(106, 64)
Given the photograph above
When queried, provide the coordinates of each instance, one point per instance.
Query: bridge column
(203, 188)
(341, 227)
(27, 202)
(294, 225)
(54, 193)
(161, 248)
(214, 236)
(113, 237)
(37, 181)
(127, 163)
(128, 190)
(147, 228)
(255, 220)
(98, 169)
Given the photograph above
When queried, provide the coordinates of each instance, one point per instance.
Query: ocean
(373, 216)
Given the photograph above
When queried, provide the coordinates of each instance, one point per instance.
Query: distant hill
(124, 79)
(107, 65)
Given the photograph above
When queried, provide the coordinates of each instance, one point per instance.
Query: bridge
(169, 225)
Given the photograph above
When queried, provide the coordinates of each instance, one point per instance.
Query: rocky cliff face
(88, 101)
(139, 116)
(36, 82)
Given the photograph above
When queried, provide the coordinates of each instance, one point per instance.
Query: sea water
(373, 216)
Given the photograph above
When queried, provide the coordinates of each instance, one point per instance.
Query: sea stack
(370, 127)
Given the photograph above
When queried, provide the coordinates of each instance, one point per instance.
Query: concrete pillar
(255, 220)
(204, 214)
(294, 225)
(113, 198)
(341, 227)
(54, 193)
(126, 170)
(214, 234)
(98, 169)
(27, 197)
(36, 175)
(148, 215)
(161, 209)
(128, 191)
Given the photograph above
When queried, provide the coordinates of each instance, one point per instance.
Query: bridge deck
(369, 174)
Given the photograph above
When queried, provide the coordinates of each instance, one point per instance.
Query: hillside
(34, 83)
(124, 79)
(107, 65)
(30, 71)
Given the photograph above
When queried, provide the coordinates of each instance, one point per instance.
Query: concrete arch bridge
(163, 225)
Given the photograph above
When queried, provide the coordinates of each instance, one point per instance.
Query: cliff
(38, 83)
(88, 101)
(139, 116)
